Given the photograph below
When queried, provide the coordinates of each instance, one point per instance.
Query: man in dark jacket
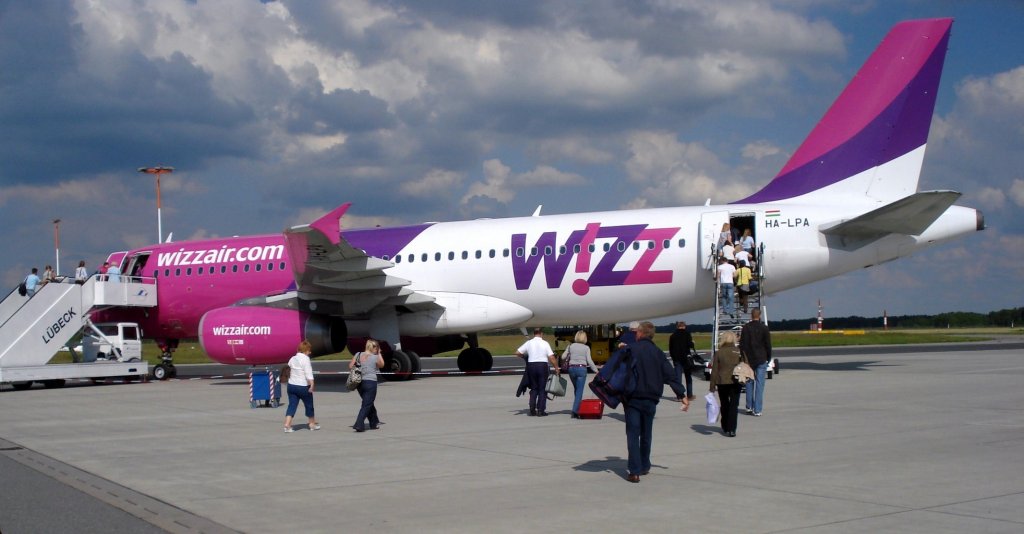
(756, 347)
(653, 372)
(680, 344)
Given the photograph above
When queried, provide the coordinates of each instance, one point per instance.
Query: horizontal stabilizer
(908, 216)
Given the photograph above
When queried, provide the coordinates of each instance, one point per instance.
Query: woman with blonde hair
(722, 364)
(578, 354)
(369, 361)
(300, 386)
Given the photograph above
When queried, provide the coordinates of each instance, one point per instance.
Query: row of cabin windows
(548, 250)
(223, 269)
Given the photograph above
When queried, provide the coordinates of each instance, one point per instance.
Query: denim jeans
(578, 376)
(728, 299)
(294, 394)
(755, 400)
(368, 392)
(639, 434)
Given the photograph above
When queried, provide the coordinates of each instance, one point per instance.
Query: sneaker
(750, 412)
(288, 429)
(315, 427)
(757, 414)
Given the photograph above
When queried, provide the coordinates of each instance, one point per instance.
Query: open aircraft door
(710, 228)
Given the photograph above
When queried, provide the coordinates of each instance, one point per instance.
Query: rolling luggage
(591, 409)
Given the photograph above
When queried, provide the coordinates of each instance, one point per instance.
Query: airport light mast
(56, 243)
(159, 218)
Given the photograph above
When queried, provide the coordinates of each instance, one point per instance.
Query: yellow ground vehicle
(601, 339)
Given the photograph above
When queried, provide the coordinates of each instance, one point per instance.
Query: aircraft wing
(910, 215)
(339, 279)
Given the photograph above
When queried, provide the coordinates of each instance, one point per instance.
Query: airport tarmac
(927, 441)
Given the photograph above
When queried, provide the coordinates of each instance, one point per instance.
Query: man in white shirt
(538, 356)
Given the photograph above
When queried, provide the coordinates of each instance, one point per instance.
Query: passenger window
(465, 255)
(385, 257)
(437, 256)
(245, 267)
(234, 268)
(282, 265)
(177, 272)
(650, 245)
(156, 274)
(607, 247)
(667, 243)
(592, 247)
(423, 257)
(259, 267)
(411, 258)
(451, 256)
(682, 243)
(561, 250)
(576, 248)
(167, 272)
(636, 245)
(621, 246)
(398, 258)
(504, 253)
(188, 271)
(519, 252)
(548, 251)
(479, 254)
(223, 269)
(491, 254)
(200, 271)
(533, 251)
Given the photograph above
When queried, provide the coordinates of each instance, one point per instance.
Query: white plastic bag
(714, 407)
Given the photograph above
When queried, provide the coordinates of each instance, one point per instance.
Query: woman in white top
(81, 275)
(369, 361)
(579, 358)
(300, 386)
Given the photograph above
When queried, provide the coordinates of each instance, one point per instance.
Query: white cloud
(674, 173)
(990, 197)
(759, 150)
(1017, 192)
(436, 182)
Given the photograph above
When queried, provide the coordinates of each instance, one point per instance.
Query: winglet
(330, 224)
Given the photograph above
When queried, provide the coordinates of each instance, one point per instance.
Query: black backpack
(22, 290)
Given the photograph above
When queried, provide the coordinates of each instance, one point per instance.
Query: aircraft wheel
(777, 368)
(52, 384)
(21, 386)
(486, 360)
(172, 371)
(768, 374)
(414, 358)
(160, 372)
(401, 365)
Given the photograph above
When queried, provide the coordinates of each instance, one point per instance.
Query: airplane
(846, 199)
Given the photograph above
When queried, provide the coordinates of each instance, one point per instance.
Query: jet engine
(256, 335)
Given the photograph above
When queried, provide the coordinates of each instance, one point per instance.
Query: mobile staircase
(725, 321)
(33, 328)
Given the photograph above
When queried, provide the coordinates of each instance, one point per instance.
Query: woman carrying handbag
(722, 365)
(578, 360)
(368, 361)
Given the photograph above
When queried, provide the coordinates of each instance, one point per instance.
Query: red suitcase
(591, 409)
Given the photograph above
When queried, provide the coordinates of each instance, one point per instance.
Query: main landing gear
(403, 364)
(475, 359)
(165, 369)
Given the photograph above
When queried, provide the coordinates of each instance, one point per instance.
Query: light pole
(56, 243)
(159, 218)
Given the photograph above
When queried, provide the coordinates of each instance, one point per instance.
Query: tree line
(1012, 317)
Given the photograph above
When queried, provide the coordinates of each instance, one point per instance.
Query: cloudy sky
(274, 113)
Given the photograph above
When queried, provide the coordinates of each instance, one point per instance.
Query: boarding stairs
(725, 321)
(33, 328)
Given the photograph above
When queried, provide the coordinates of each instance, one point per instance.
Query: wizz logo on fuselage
(526, 260)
